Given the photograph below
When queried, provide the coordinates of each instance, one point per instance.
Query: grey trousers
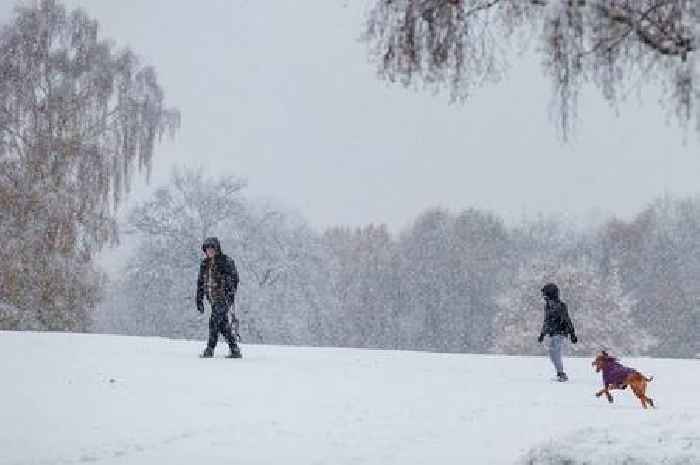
(556, 343)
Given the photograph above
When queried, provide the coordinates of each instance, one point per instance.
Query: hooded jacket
(556, 314)
(218, 277)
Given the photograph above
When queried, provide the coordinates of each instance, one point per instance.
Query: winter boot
(208, 353)
(561, 377)
(235, 352)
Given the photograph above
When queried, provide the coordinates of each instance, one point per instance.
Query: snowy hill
(72, 398)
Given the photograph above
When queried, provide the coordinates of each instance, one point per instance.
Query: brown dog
(617, 376)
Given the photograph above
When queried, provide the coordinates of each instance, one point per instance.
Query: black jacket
(556, 318)
(220, 284)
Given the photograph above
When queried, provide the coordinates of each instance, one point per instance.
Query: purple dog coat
(614, 372)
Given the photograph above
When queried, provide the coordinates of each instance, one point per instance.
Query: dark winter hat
(211, 242)
(550, 291)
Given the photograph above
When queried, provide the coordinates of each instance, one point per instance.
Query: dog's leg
(643, 400)
(643, 390)
(605, 391)
(609, 396)
(638, 383)
(639, 392)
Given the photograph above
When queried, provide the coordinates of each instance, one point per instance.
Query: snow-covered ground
(71, 398)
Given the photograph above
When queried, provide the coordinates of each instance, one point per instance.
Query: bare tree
(460, 45)
(284, 293)
(76, 118)
(602, 312)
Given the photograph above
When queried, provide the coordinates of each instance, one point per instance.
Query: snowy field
(69, 398)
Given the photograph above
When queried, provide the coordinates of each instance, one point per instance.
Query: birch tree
(77, 118)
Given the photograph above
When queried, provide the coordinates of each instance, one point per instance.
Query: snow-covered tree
(156, 292)
(366, 286)
(77, 117)
(449, 282)
(281, 296)
(431, 282)
(451, 267)
(602, 312)
(10, 316)
(659, 257)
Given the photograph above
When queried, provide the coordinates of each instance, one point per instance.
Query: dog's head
(601, 359)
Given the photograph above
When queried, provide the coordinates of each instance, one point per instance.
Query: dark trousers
(218, 323)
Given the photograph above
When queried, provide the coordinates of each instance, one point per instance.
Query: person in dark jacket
(557, 325)
(218, 282)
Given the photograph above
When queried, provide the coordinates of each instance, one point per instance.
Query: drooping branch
(459, 45)
(665, 34)
(76, 116)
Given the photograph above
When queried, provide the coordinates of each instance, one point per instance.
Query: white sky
(281, 93)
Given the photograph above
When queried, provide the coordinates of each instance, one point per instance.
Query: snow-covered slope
(71, 398)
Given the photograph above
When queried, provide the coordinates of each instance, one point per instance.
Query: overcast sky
(281, 93)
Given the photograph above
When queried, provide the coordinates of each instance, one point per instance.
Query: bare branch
(461, 45)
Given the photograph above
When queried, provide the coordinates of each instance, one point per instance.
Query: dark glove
(200, 307)
(574, 339)
(540, 338)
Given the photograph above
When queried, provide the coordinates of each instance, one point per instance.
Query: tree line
(450, 282)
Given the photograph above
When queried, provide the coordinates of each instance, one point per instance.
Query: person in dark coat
(557, 325)
(218, 282)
